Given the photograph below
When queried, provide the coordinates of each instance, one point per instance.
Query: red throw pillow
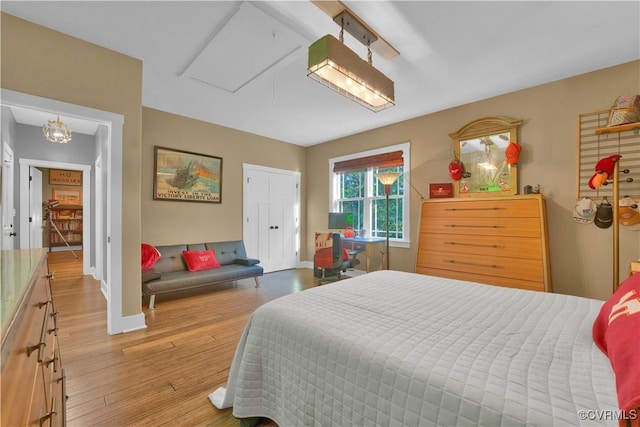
(345, 254)
(200, 260)
(149, 256)
(616, 331)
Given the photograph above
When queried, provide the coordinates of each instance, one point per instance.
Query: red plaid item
(616, 331)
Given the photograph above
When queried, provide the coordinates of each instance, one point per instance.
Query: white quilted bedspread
(398, 349)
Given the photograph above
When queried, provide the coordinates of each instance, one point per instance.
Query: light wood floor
(161, 375)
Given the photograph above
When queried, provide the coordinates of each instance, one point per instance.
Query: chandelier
(334, 65)
(56, 131)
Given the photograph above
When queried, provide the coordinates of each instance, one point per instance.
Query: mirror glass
(481, 146)
(485, 163)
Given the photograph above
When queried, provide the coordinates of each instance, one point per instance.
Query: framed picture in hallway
(186, 176)
(67, 196)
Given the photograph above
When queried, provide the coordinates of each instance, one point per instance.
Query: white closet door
(270, 230)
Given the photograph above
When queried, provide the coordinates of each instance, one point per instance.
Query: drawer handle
(43, 336)
(50, 415)
(32, 348)
(475, 209)
(452, 261)
(50, 361)
(55, 323)
(51, 275)
(474, 226)
(473, 244)
(42, 304)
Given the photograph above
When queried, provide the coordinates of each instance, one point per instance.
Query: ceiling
(243, 64)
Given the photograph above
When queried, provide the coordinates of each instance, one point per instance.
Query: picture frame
(65, 177)
(67, 196)
(441, 190)
(186, 176)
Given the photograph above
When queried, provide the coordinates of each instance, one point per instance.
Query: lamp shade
(336, 66)
(387, 178)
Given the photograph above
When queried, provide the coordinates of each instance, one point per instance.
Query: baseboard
(133, 323)
(104, 288)
(305, 264)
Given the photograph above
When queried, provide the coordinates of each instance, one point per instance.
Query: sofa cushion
(171, 259)
(246, 261)
(149, 275)
(228, 252)
(200, 260)
(149, 255)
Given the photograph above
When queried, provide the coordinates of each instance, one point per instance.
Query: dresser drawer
(495, 246)
(489, 280)
(483, 265)
(514, 227)
(482, 209)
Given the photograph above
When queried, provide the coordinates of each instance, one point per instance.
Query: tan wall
(169, 222)
(581, 255)
(90, 76)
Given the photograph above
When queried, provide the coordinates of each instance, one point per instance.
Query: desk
(372, 247)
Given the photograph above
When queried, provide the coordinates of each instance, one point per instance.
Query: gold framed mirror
(480, 145)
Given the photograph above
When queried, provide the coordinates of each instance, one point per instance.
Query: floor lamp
(387, 179)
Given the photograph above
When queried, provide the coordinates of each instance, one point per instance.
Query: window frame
(369, 198)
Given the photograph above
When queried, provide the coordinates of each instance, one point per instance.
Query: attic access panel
(247, 45)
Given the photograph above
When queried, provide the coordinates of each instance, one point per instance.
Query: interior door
(8, 211)
(270, 229)
(35, 208)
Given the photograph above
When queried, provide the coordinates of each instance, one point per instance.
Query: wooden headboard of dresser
(499, 241)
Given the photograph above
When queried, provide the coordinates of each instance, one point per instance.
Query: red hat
(607, 164)
(598, 180)
(604, 169)
(512, 153)
(456, 169)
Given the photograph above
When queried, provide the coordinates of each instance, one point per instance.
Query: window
(355, 189)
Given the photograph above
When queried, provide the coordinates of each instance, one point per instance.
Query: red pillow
(345, 254)
(149, 256)
(616, 331)
(200, 260)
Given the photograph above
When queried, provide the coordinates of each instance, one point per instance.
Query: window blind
(386, 160)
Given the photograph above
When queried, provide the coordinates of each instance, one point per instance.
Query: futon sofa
(170, 272)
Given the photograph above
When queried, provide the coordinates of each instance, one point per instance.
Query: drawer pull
(452, 261)
(474, 226)
(50, 415)
(480, 245)
(50, 361)
(495, 208)
(42, 304)
(51, 275)
(43, 336)
(32, 348)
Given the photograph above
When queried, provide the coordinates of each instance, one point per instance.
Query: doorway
(111, 204)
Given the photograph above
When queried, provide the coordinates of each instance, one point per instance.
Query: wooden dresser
(499, 241)
(33, 380)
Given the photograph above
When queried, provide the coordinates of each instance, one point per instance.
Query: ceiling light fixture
(334, 65)
(56, 131)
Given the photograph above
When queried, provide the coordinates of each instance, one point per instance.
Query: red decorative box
(440, 190)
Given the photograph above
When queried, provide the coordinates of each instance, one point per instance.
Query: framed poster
(185, 176)
(67, 196)
(65, 177)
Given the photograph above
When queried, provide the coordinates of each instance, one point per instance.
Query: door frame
(114, 123)
(87, 247)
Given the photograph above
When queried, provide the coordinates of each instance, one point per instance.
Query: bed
(394, 348)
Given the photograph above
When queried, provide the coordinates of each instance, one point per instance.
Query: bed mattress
(392, 348)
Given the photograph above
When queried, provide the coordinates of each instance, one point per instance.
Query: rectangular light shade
(336, 66)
